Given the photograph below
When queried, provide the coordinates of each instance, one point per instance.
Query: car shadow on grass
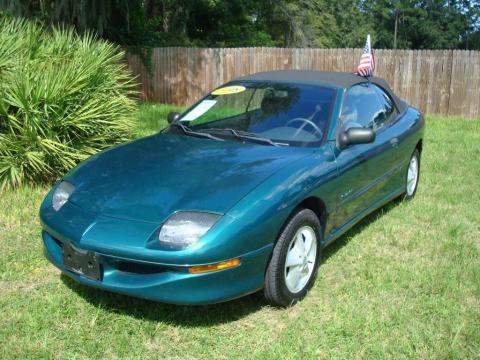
(343, 240)
(200, 315)
(185, 315)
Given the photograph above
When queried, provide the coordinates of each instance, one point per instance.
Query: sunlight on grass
(153, 117)
(404, 283)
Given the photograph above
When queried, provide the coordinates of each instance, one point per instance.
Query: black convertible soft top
(337, 79)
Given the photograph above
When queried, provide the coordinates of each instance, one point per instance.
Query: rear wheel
(293, 266)
(413, 175)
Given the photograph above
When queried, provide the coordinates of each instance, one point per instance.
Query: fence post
(450, 81)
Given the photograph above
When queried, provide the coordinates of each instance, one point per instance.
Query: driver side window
(362, 108)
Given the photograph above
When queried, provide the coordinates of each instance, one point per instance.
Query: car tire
(412, 175)
(288, 282)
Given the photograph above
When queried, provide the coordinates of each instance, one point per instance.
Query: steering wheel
(305, 123)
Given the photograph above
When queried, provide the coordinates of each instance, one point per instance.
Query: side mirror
(173, 116)
(354, 136)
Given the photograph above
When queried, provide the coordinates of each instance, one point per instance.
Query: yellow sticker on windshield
(229, 90)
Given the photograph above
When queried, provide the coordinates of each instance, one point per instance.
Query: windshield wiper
(245, 135)
(188, 131)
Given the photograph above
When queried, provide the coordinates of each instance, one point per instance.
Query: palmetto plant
(63, 97)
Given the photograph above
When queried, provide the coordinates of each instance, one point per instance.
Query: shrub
(63, 97)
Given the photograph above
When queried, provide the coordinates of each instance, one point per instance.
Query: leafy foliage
(418, 24)
(62, 99)
(423, 24)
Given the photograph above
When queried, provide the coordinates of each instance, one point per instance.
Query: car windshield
(263, 112)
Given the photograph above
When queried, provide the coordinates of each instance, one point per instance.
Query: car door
(389, 130)
(362, 168)
(393, 128)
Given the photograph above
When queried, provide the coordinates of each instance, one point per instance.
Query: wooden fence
(442, 82)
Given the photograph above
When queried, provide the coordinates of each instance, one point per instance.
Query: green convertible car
(240, 193)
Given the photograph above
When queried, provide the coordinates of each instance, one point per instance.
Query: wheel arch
(314, 203)
(419, 146)
(317, 205)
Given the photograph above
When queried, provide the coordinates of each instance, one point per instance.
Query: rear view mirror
(357, 135)
(173, 116)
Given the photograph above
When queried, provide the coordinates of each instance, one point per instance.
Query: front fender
(260, 215)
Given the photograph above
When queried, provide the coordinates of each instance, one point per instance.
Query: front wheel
(293, 266)
(413, 175)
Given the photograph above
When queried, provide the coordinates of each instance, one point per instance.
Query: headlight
(61, 194)
(185, 228)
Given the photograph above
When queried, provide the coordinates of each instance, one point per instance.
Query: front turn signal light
(213, 267)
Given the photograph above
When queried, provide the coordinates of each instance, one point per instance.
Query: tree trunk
(396, 28)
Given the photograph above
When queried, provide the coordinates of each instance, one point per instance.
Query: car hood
(153, 177)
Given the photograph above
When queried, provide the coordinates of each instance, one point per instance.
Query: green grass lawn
(153, 117)
(404, 283)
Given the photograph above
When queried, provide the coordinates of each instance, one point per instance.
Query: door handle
(394, 142)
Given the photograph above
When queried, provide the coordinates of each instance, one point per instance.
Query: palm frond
(63, 97)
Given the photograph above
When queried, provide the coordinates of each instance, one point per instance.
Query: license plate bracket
(82, 262)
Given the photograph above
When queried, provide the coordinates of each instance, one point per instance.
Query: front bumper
(169, 283)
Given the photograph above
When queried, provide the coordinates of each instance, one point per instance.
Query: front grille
(128, 267)
(58, 242)
(138, 268)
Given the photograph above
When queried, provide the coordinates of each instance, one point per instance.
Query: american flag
(367, 61)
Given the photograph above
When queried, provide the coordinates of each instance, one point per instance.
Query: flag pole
(371, 52)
